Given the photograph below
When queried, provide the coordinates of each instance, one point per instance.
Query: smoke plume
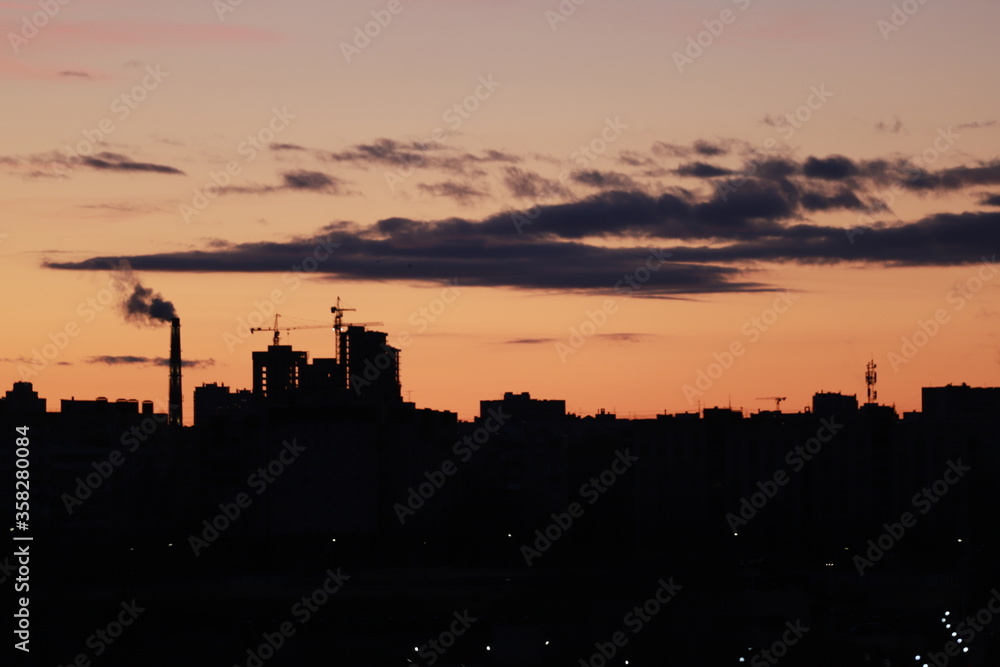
(142, 305)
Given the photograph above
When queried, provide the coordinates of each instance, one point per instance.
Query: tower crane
(777, 401)
(338, 319)
(278, 329)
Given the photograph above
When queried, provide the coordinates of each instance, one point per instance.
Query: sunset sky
(481, 174)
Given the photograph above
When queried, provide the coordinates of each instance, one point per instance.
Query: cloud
(604, 179)
(301, 180)
(895, 127)
(954, 178)
(529, 341)
(990, 200)
(131, 360)
(842, 199)
(701, 170)
(117, 162)
(833, 168)
(624, 337)
(527, 184)
(417, 155)
(74, 73)
(700, 147)
(461, 192)
(717, 238)
(312, 180)
(976, 125)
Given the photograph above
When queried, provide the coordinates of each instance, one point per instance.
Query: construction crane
(777, 401)
(277, 330)
(338, 319)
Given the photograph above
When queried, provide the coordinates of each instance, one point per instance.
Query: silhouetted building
(960, 403)
(522, 407)
(22, 399)
(371, 365)
(277, 371)
(215, 399)
(832, 404)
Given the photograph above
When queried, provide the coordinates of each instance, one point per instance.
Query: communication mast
(870, 378)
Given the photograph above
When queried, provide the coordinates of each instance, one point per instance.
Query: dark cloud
(487, 252)
(717, 239)
(293, 181)
(895, 127)
(843, 199)
(952, 179)
(604, 179)
(116, 162)
(388, 152)
(990, 200)
(624, 337)
(463, 193)
(417, 155)
(286, 147)
(312, 180)
(708, 148)
(130, 360)
(701, 170)
(75, 74)
(530, 185)
(529, 341)
(700, 147)
(976, 125)
(833, 168)
(635, 159)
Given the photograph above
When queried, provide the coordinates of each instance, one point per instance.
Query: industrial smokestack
(175, 414)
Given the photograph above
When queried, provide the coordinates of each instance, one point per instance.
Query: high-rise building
(371, 365)
(278, 370)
